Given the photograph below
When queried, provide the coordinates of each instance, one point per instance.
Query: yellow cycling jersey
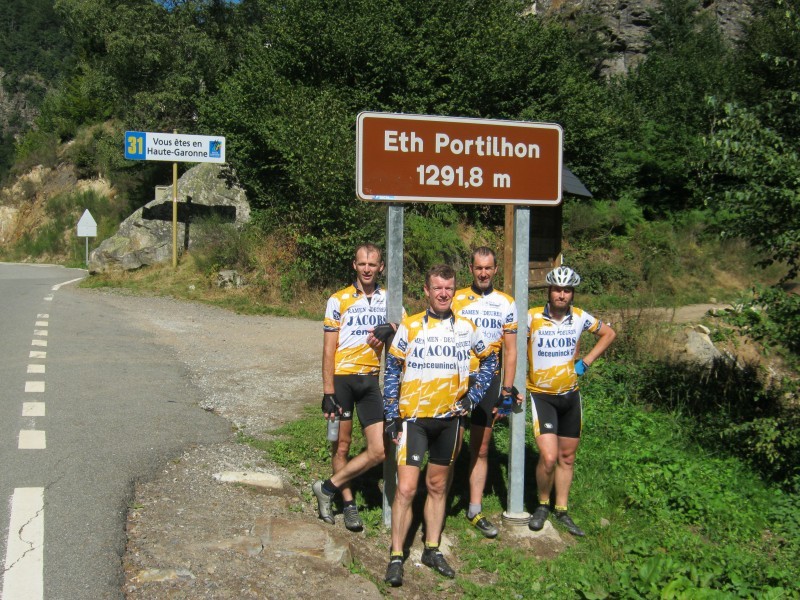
(354, 315)
(435, 355)
(552, 346)
(494, 313)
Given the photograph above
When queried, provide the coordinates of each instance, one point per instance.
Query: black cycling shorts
(363, 392)
(482, 415)
(561, 414)
(437, 437)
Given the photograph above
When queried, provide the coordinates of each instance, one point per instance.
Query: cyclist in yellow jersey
(495, 313)
(350, 366)
(426, 390)
(552, 382)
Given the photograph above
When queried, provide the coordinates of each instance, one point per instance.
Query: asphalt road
(88, 405)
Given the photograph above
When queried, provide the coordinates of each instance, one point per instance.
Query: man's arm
(483, 378)
(329, 343)
(509, 358)
(391, 387)
(605, 335)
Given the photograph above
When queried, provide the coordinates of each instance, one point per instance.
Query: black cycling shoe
(394, 572)
(433, 558)
(564, 519)
(483, 525)
(538, 517)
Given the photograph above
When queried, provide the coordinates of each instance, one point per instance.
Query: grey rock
(228, 278)
(145, 237)
(700, 349)
(259, 480)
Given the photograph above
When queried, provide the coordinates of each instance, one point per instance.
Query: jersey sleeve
(510, 321)
(333, 316)
(591, 323)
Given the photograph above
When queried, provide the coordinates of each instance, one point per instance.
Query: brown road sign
(418, 158)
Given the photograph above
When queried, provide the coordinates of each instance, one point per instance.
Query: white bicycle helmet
(563, 277)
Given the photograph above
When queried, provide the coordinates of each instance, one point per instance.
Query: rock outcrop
(145, 238)
(625, 25)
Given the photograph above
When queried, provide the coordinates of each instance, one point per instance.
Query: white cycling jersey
(494, 313)
(552, 346)
(354, 315)
(434, 356)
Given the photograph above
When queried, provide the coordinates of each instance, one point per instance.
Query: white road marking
(33, 409)
(37, 354)
(42, 343)
(23, 577)
(35, 368)
(43, 316)
(34, 387)
(41, 323)
(32, 439)
(55, 288)
(48, 298)
(41, 332)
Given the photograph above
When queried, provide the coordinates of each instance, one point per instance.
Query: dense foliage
(699, 123)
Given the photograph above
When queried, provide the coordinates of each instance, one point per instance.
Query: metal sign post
(515, 511)
(87, 227)
(394, 313)
(174, 215)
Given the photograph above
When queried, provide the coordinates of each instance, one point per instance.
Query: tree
(311, 66)
(753, 171)
(155, 60)
(665, 99)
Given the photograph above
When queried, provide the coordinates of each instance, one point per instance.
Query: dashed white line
(32, 439)
(37, 354)
(23, 577)
(34, 387)
(33, 409)
(41, 343)
(48, 298)
(35, 368)
(43, 315)
(40, 332)
(41, 324)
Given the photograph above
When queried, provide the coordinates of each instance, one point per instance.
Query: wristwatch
(508, 389)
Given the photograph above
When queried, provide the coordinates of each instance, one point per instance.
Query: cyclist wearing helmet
(552, 382)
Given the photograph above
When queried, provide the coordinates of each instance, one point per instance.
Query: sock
(473, 510)
(328, 487)
(431, 545)
(561, 509)
(349, 503)
(395, 554)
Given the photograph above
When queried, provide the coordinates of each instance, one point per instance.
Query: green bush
(36, 148)
(218, 245)
(429, 240)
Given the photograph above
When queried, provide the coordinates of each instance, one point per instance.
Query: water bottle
(333, 430)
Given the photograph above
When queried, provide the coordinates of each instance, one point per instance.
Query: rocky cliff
(625, 23)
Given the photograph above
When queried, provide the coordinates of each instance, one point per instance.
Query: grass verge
(665, 518)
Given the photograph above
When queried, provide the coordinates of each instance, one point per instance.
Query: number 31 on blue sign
(135, 145)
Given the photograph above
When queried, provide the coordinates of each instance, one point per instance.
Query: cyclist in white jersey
(426, 390)
(350, 366)
(556, 409)
(495, 313)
